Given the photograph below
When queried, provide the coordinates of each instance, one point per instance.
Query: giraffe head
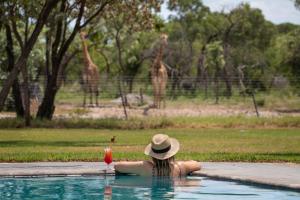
(83, 35)
(164, 39)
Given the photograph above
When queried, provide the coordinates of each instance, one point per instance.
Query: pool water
(132, 187)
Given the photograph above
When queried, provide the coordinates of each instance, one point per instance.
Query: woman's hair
(162, 167)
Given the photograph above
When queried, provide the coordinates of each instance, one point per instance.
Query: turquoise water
(131, 187)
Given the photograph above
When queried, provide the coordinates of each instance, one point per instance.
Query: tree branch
(118, 42)
(17, 34)
(96, 13)
(59, 29)
(68, 42)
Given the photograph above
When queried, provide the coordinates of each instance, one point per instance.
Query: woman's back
(162, 150)
(147, 168)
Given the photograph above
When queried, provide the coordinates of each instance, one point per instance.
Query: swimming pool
(132, 187)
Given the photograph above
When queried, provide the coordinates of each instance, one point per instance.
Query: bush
(260, 102)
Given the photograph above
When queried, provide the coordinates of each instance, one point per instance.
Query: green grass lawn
(183, 122)
(254, 145)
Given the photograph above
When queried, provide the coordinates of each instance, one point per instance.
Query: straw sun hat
(162, 147)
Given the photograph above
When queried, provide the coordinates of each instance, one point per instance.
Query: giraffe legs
(156, 94)
(163, 94)
(91, 96)
(92, 93)
(155, 100)
(97, 96)
(158, 98)
(84, 96)
(160, 95)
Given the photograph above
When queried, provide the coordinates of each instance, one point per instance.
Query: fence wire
(187, 87)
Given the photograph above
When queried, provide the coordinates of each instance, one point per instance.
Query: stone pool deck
(270, 174)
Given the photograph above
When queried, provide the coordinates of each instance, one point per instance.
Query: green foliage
(285, 28)
(284, 55)
(241, 36)
(297, 3)
(250, 27)
(215, 56)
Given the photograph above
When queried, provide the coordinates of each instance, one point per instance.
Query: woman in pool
(162, 149)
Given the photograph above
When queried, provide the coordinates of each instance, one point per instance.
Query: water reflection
(132, 187)
(151, 188)
(107, 192)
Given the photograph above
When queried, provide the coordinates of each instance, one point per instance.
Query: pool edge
(249, 182)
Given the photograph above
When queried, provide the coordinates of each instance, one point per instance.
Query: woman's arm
(191, 166)
(137, 167)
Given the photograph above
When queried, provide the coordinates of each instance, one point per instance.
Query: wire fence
(72, 91)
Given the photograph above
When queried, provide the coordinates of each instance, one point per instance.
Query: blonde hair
(163, 167)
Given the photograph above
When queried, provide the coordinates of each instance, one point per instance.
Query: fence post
(123, 99)
(141, 96)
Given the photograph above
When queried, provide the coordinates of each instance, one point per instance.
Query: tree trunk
(17, 99)
(254, 103)
(175, 85)
(205, 78)
(55, 53)
(217, 86)
(226, 77)
(200, 68)
(123, 98)
(130, 83)
(202, 74)
(11, 61)
(47, 107)
(26, 97)
(227, 82)
(49, 5)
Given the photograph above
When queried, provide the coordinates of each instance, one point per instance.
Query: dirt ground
(113, 110)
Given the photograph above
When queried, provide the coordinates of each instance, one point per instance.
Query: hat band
(161, 150)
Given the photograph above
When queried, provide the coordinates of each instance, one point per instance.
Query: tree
(297, 3)
(28, 43)
(60, 35)
(126, 24)
(59, 38)
(188, 26)
(215, 62)
(212, 28)
(284, 55)
(10, 65)
(246, 42)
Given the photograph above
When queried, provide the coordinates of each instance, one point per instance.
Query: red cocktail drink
(108, 156)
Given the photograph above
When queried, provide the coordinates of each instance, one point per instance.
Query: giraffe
(90, 74)
(159, 75)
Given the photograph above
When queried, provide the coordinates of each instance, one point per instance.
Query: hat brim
(175, 146)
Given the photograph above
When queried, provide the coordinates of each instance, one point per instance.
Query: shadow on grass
(98, 156)
(107, 123)
(27, 143)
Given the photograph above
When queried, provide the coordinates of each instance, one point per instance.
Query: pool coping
(249, 182)
(276, 175)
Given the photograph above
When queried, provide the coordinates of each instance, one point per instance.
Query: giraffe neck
(86, 54)
(160, 54)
